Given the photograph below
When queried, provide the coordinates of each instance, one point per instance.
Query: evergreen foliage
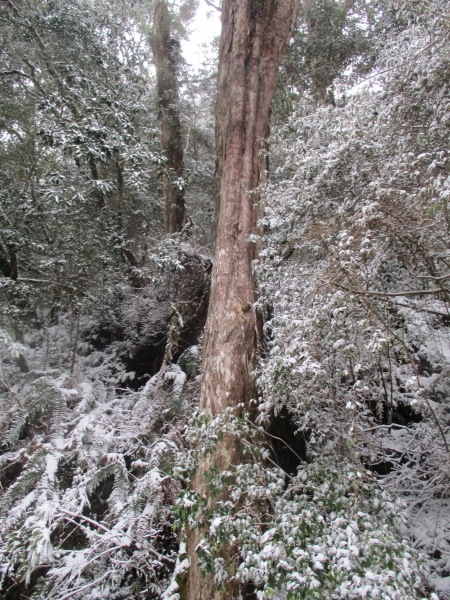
(343, 489)
(353, 273)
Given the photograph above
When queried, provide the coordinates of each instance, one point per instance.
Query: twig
(386, 427)
(440, 278)
(101, 554)
(371, 309)
(88, 520)
(280, 440)
(387, 294)
(5, 381)
(7, 388)
(85, 587)
(15, 72)
(82, 527)
(213, 5)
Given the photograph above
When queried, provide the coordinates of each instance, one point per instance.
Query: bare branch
(441, 278)
(213, 5)
(15, 72)
(280, 440)
(388, 294)
(85, 587)
(25, 75)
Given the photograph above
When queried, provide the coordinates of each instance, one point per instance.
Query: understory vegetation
(344, 490)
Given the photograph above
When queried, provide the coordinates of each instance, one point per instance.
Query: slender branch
(377, 427)
(87, 519)
(213, 5)
(67, 286)
(427, 310)
(399, 294)
(5, 382)
(88, 531)
(372, 310)
(51, 69)
(6, 386)
(25, 75)
(30, 280)
(388, 294)
(412, 58)
(106, 530)
(100, 555)
(85, 587)
(278, 467)
(12, 131)
(441, 278)
(280, 440)
(15, 72)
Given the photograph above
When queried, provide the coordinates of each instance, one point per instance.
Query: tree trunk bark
(254, 37)
(165, 54)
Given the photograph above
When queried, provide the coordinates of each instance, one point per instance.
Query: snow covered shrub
(327, 532)
(354, 274)
(87, 490)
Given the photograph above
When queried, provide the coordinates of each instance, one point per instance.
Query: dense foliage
(327, 531)
(343, 492)
(355, 268)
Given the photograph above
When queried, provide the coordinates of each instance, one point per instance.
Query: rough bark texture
(254, 37)
(165, 54)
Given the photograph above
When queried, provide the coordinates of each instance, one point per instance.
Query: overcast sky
(204, 28)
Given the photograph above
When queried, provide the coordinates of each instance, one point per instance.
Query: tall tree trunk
(254, 37)
(166, 54)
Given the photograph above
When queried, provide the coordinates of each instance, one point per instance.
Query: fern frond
(57, 419)
(119, 494)
(44, 397)
(147, 488)
(162, 454)
(148, 515)
(16, 425)
(31, 473)
(47, 484)
(18, 512)
(98, 476)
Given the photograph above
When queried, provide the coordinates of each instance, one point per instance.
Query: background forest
(344, 492)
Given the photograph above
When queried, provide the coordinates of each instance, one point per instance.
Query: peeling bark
(254, 37)
(165, 54)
